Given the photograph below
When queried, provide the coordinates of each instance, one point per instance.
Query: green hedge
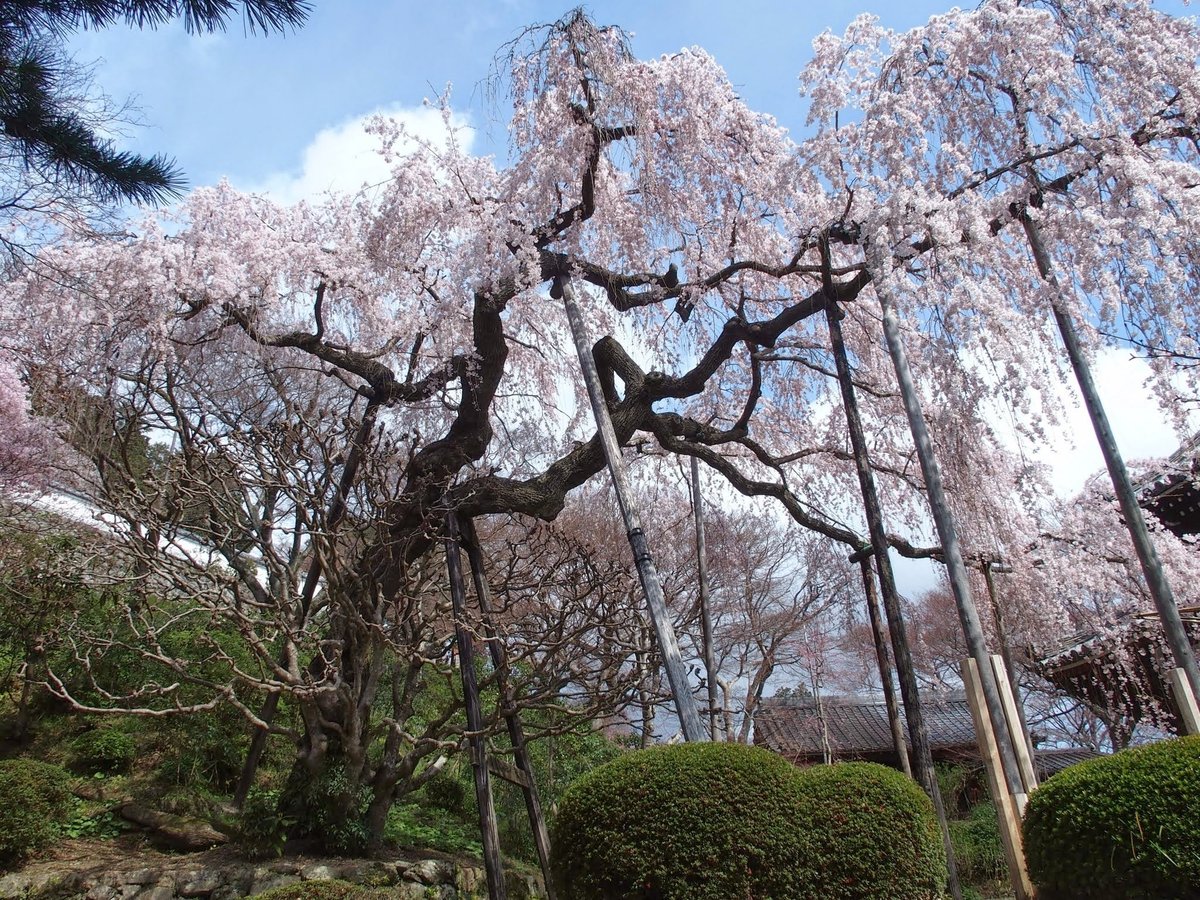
(35, 802)
(716, 820)
(1122, 826)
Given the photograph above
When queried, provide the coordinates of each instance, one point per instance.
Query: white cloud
(344, 157)
(1141, 426)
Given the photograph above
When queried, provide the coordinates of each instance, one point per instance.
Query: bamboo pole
(956, 570)
(492, 862)
(1156, 580)
(887, 583)
(710, 661)
(668, 645)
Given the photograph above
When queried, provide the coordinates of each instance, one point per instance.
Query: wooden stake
(1016, 732)
(1189, 713)
(522, 773)
(668, 645)
(492, 862)
(710, 661)
(988, 567)
(1008, 809)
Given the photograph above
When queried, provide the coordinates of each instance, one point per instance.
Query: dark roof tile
(855, 725)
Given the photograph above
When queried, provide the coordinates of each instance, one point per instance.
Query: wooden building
(809, 730)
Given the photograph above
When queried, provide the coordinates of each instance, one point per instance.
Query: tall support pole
(1156, 580)
(967, 613)
(885, 667)
(516, 734)
(887, 582)
(489, 833)
(685, 703)
(710, 660)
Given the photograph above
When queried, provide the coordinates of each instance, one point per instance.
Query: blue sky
(245, 107)
(281, 113)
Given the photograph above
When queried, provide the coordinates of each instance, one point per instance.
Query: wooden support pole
(956, 570)
(1131, 511)
(1008, 807)
(885, 668)
(492, 862)
(887, 583)
(521, 774)
(1021, 733)
(1189, 712)
(710, 660)
(1016, 731)
(668, 645)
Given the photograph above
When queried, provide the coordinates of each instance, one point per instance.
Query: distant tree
(776, 591)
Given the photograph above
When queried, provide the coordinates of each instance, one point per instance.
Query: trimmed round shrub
(35, 801)
(1121, 826)
(869, 832)
(710, 820)
(713, 821)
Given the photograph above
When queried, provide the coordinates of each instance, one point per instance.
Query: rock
(472, 882)
(51, 882)
(163, 890)
(141, 876)
(318, 872)
(430, 871)
(174, 832)
(199, 883)
(220, 875)
(264, 881)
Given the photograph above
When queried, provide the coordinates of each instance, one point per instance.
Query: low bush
(431, 828)
(260, 829)
(1121, 826)
(977, 847)
(35, 802)
(202, 750)
(328, 807)
(713, 821)
(107, 751)
(323, 890)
